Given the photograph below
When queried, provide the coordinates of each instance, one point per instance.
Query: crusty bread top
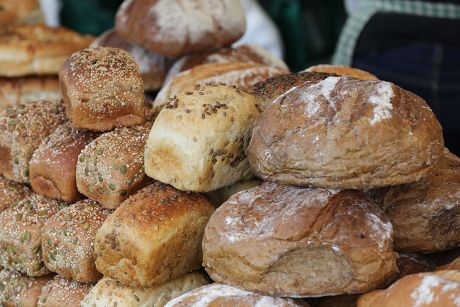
(342, 71)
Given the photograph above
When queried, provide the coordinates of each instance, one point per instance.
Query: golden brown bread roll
(102, 88)
(53, 164)
(285, 241)
(68, 240)
(19, 12)
(424, 289)
(198, 141)
(37, 49)
(20, 234)
(11, 192)
(21, 130)
(109, 292)
(426, 214)
(175, 28)
(154, 237)
(346, 133)
(111, 167)
(60, 292)
(454, 265)
(20, 290)
(342, 71)
(227, 296)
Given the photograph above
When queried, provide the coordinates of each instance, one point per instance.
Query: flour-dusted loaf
(175, 27)
(21, 228)
(111, 167)
(61, 292)
(342, 71)
(154, 237)
(198, 141)
(22, 129)
(346, 133)
(109, 292)
(68, 240)
(53, 164)
(286, 241)
(227, 296)
(102, 89)
(426, 214)
(11, 192)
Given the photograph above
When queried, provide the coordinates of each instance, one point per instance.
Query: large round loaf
(175, 27)
(342, 71)
(346, 133)
(285, 241)
(61, 292)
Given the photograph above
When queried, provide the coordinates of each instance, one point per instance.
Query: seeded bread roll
(426, 214)
(244, 75)
(111, 167)
(60, 292)
(53, 165)
(68, 240)
(21, 227)
(285, 241)
(11, 192)
(346, 133)
(175, 28)
(102, 89)
(424, 289)
(109, 292)
(20, 290)
(198, 141)
(219, 196)
(228, 296)
(21, 131)
(342, 71)
(154, 237)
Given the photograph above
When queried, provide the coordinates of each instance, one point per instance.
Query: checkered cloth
(367, 8)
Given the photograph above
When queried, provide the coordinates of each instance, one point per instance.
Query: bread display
(37, 49)
(285, 241)
(20, 290)
(346, 133)
(19, 12)
(154, 237)
(15, 91)
(219, 196)
(20, 234)
(102, 89)
(60, 292)
(53, 164)
(11, 192)
(111, 167)
(426, 214)
(109, 292)
(425, 289)
(228, 296)
(198, 141)
(342, 70)
(21, 130)
(153, 67)
(68, 240)
(175, 28)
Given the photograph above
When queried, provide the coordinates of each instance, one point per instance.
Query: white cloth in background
(351, 5)
(50, 9)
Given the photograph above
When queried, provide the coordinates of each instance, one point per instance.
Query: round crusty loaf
(175, 27)
(285, 241)
(11, 192)
(102, 88)
(342, 71)
(346, 133)
(424, 289)
(60, 292)
(153, 67)
(426, 214)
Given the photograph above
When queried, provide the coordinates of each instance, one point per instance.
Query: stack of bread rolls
(239, 184)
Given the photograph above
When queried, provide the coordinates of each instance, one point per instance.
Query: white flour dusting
(323, 88)
(382, 102)
(424, 294)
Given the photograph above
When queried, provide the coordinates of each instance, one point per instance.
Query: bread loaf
(60, 292)
(53, 164)
(426, 214)
(198, 140)
(68, 240)
(21, 130)
(109, 292)
(285, 241)
(175, 28)
(346, 133)
(111, 167)
(19, 12)
(154, 237)
(219, 196)
(102, 89)
(20, 234)
(11, 192)
(342, 71)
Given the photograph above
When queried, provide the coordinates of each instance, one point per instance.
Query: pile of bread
(108, 198)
